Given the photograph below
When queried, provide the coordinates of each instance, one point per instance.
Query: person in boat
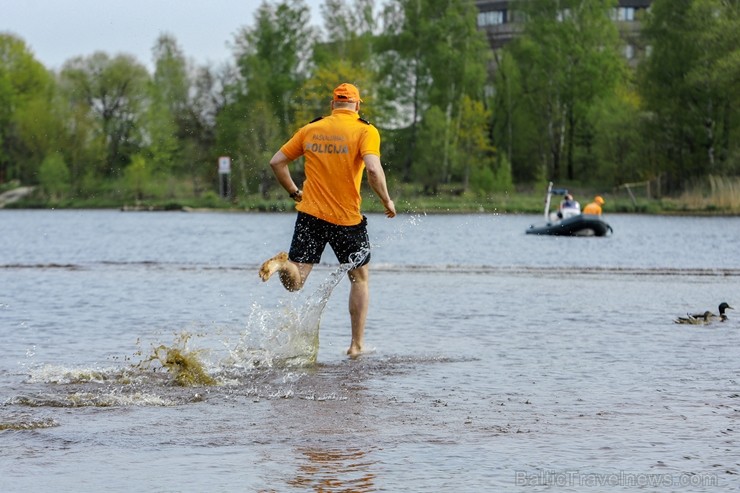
(595, 206)
(569, 207)
(337, 149)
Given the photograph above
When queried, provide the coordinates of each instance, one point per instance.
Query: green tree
(503, 179)
(273, 59)
(690, 86)
(26, 87)
(113, 92)
(39, 125)
(348, 54)
(568, 58)
(513, 125)
(84, 148)
(54, 176)
(348, 37)
(429, 167)
(316, 93)
(474, 145)
(250, 145)
(168, 96)
(138, 177)
(618, 143)
(434, 55)
(198, 127)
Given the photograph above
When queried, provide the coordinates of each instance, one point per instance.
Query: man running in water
(337, 149)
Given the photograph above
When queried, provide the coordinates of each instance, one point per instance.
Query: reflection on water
(334, 470)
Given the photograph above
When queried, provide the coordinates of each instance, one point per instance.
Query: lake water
(141, 352)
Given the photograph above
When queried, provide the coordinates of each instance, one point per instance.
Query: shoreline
(504, 203)
(424, 211)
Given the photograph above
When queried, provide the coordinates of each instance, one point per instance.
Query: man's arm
(279, 164)
(376, 179)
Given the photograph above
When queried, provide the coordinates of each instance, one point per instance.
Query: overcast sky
(57, 30)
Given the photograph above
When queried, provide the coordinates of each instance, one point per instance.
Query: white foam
(63, 375)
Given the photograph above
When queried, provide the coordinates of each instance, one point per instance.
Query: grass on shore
(717, 196)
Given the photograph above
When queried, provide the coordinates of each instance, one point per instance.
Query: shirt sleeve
(371, 142)
(294, 147)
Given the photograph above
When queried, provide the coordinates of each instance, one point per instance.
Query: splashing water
(399, 230)
(286, 336)
(184, 365)
(27, 423)
(289, 335)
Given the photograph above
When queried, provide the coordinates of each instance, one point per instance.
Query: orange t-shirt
(592, 208)
(333, 148)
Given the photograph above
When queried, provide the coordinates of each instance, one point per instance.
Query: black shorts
(311, 235)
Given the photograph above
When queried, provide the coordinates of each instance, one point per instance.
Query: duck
(706, 317)
(696, 318)
(722, 307)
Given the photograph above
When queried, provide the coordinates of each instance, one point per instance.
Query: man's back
(333, 148)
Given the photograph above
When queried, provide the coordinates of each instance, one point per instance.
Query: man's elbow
(373, 172)
(279, 160)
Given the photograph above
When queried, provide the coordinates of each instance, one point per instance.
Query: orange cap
(347, 93)
(599, 200)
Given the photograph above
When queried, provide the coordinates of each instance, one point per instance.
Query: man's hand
(390, 208)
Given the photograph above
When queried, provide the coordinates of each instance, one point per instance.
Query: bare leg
(293, 275)
(359, 300)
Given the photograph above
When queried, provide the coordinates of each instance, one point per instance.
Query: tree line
(559, 102)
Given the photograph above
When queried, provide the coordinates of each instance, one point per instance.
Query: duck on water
(704, 318)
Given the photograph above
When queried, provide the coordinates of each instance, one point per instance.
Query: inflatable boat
(573, 224)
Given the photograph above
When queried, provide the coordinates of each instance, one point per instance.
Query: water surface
(498, 360)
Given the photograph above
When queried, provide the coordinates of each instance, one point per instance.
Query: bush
(54, 177)
(504, 181)
(137, 177)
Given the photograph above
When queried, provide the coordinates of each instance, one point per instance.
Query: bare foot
(269, 267)
(354, 350)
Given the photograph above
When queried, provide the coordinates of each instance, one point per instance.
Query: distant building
(502, 23)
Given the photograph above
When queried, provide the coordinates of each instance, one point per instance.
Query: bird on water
(696, 318)
(706, 317)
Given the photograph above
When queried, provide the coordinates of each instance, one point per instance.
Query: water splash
(400, 228)
(26, 423)
(283, 337)
(96, 398)
(184, 365)
(60, 375)
(289, 335)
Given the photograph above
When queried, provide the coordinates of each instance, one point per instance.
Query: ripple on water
(22, 422)
(142, 385)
